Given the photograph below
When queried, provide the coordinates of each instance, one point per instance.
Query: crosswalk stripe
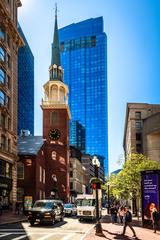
(4, 235)
(21, 237)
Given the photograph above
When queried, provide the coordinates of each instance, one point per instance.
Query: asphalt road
(69, 229)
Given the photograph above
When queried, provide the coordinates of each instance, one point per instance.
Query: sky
(133, 53)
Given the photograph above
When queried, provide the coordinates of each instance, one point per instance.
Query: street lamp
(96, 164)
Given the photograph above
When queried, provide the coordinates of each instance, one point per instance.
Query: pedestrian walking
(113, 212)
(128, 221)
(155, 219)
(121, 213)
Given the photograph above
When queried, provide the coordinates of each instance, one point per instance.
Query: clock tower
(56, 115)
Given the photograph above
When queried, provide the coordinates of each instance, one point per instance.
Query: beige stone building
(77, 174)
(142, 130)
(9, 43)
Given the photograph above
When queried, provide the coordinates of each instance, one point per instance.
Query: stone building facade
(78, 177)
(142, 130)
(10, 41)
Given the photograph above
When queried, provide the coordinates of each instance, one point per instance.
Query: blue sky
(133, 31)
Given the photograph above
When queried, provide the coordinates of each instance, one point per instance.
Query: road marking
(87, 232)
(21, 237)
(45, 237)
(68, 237)
(4, 235)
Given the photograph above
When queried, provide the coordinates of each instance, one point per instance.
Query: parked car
(46, 211)
(70, 209)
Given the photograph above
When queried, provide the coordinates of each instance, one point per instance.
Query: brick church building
(43, 165)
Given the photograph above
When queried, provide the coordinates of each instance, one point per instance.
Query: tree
(127, 183)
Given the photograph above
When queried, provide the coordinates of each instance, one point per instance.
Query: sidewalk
(11, 217)
(113, 231)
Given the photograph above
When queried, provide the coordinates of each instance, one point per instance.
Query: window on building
(71, 185)
(44, 175)
(2, 34)
(138, 136)
(40, 194)
(71, 174)
(2, 97)
(8, 170)
(54, 155)
(138, 115)
(139, 148)
(2, 120)
(138, 125)
(2, 54)
(28, 162)
(3, 142)
(9, 145)
(53, 117)
(20, 194)
(2, 76)
(2, 168)
(40, 174)
(20, 170)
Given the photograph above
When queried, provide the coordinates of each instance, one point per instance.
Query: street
(69, 229)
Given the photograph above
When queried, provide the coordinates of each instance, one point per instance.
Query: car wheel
(32, 223)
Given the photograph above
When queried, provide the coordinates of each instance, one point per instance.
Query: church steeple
(56, 71)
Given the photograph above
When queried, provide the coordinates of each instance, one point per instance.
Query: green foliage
(127, 183)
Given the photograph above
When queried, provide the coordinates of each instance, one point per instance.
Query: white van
(86, 206)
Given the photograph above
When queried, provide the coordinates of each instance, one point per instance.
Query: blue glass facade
(25, 87)
(77, 135)
(84, 59)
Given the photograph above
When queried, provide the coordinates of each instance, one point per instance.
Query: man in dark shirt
(128, 221)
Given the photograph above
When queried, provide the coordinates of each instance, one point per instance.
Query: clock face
(54, 134)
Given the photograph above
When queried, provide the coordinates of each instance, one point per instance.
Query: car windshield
(68, 205)
(47, 205)
(85, 202)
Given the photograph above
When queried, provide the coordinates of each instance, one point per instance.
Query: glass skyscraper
(25, 87)
(84, 59)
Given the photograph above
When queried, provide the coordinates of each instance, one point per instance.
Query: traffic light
(96, 185)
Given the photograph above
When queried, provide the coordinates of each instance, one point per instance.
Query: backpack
(128, 217)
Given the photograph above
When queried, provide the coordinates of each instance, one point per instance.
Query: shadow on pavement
(120, 236)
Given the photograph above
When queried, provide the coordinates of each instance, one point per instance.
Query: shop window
(2, 54)
(20, 170)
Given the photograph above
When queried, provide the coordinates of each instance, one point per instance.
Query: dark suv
(46, 211)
